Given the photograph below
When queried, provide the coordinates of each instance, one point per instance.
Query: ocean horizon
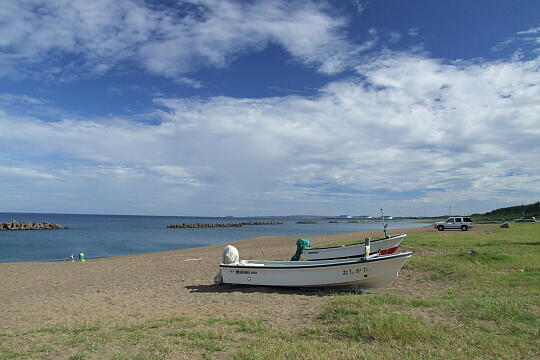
(118, 235)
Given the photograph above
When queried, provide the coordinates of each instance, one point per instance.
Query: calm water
(114, 235)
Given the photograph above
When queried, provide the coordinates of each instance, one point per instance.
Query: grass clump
(350, 318)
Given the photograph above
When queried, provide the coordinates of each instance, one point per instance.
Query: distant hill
(511, 212)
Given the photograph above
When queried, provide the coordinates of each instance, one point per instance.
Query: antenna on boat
(384, 225)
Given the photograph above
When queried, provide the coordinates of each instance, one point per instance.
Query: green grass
(458, 304)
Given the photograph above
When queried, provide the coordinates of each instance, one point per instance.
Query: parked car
(462, 223)
(526, 219)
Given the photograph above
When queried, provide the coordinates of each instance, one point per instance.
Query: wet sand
(159, 285)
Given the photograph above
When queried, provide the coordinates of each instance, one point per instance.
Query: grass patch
(351, 318)
(248, 325)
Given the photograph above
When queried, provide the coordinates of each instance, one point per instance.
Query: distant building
(363, 217)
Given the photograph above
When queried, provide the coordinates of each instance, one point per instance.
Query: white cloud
(410, 127)
(189, 82)
(527, 38)
(24, 172)
(99, 35)
(175, 175)
(20, 99)
(231, 28)
(360, 5)
(531, 31)
(413, 31)
(96, 34)
(394, 37)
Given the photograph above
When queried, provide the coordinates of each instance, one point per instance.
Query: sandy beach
(161, 285)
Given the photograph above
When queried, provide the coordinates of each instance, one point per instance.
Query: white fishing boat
(365, 273)
(382, 246)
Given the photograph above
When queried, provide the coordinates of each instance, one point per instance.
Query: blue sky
(269, 107)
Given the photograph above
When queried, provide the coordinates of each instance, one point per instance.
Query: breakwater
(216, 225)
(15, 225)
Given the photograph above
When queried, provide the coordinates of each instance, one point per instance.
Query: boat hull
(381, 246)
(372, 273)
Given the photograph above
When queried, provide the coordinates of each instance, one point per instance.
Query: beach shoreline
(158, 285)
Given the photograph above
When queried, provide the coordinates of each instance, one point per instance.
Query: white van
(463, 223)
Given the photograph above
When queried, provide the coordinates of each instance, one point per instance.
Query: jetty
(221, 225)
(22, 225)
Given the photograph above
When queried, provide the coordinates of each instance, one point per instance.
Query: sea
(115, 235)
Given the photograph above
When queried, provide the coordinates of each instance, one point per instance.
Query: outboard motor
(230, 256)
(301, 245)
